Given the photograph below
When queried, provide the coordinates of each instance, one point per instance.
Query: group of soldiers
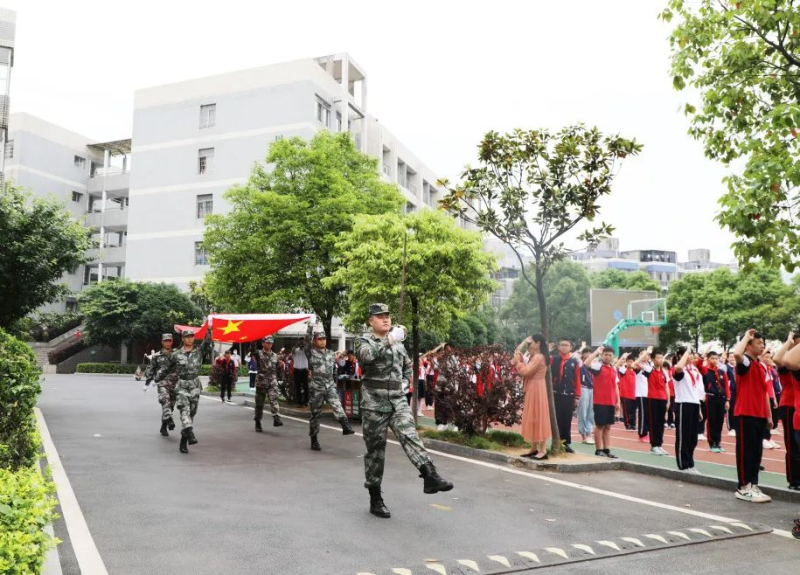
(386, 366)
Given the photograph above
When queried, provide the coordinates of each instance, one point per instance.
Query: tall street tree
(447, 270)
(277, 244)
(39, 243)
(743, 60)
(533, 188)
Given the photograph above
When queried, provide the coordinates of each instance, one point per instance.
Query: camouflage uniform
(166, 387)
(383, 404)
(322, 364)
(185, 367)
(267, 383)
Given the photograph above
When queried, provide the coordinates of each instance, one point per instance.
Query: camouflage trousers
(319, 395)
(188, 396)
(266, 389)
(381, 409)
(166, 397)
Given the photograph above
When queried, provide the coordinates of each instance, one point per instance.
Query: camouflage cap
(320, 334)
(268, 339)
(186, 332)
(166, 336)
(378, 309)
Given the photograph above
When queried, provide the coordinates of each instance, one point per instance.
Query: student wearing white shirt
(642, 405)
(688, 389)
(300, 374)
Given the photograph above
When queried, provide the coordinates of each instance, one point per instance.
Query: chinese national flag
(250, 327)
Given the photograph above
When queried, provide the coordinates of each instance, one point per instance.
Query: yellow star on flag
(232, 326)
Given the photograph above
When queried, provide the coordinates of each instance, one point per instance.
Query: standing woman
(536, 412)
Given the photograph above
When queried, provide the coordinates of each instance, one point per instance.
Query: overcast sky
(441, 73)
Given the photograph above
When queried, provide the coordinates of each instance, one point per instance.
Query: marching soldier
(322, 364)
(166, 387)
(386, 366)
(267, 382)
(184, 364)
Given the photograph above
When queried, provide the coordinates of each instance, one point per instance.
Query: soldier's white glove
(397, 335)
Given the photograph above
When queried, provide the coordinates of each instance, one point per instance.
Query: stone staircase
(42, 348)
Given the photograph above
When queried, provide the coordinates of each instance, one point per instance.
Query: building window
(208, 116)
(205, 160)
(205, 205)
(200, 255)
(338, 121)
(80, 162)
(76, 196)
(323, 112)
(9, 151)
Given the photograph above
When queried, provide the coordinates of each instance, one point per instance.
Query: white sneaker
(590, 440)
(692, 471)
(663, 451)
(767, 444)
(775, 445)
(656, 451)
(745, 494)
(701, 437)
(758, 496)
(440, 427)
(732, 433)
(666, 426)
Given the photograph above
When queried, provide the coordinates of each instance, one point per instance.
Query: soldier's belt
(388, 385)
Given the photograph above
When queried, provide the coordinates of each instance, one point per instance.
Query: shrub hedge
(130, 368)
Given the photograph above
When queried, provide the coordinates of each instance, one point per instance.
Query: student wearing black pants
(731, 367)
(658, 399)
(564, 369)
(753, 414)
(715, 382)
(688, 388)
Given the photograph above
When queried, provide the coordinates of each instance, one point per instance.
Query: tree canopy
(278, 242)
(39, 243)
(618, 279)
(743, 59)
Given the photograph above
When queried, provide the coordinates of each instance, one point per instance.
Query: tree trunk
(548, 374)
(415, 353)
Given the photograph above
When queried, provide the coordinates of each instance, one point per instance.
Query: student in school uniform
(585, 403)
(657, 399)
(730, 365)
(565, 372)
(606, 399)
(786, 409)
(627, 391)
(688, 386)
(752, 413)
(642, 405)
(717, 392)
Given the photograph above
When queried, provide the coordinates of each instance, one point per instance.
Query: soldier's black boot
(170, 423)
(277, 421)
(433, 481)
(315, 444)
(190, 435)
(163, 430)
(346, 429)
(184, 441)
(376, 504)
(258, 425)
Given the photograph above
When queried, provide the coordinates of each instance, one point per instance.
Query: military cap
(268, 339)
(320, 334)
(166, 336)
(378, 308)
(186, 332)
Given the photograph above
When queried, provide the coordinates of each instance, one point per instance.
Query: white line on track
(86, 552)
(556, 481)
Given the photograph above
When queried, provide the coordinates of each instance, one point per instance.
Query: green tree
(618, 279)
(447, 271)
(478, 329)
(123, 311)
(690, 307)
(460, 334)
(742, 59)
(278, 243)
(39, 243)
(531, 189)
(567, 293)
(201, 297)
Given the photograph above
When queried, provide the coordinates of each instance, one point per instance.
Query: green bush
(19, 390)
(123, 368)
(494, 441)
(507, 438)
(26, 506)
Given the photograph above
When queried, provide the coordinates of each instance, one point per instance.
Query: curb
(495, 457)
(619, 465)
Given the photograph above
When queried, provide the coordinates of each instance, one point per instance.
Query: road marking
(441, 507)
(633, 540)
(86, 552)
(401, 571)
(584, 548)
(721, 528)
(437, 567)
(611, 544)
(701, 532)
(553, 480)
(468, 563)
(528, 555)
(681, 534)
(500, 559)
(658, 538)
(557, 551)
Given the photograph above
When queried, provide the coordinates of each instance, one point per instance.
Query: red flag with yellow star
(249, 326)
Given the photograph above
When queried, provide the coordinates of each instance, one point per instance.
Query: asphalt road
(243, 502)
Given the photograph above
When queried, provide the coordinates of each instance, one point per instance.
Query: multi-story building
(51, 161)
(193, 140)
(8, 28)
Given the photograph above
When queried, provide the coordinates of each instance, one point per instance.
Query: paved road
(243, 502)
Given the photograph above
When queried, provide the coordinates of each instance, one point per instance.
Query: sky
(440, 75)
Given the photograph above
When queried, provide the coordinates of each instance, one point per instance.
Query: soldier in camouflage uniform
(322, 365)
(267, 382)
(166, 387)
(185, 363)
(386, 366)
